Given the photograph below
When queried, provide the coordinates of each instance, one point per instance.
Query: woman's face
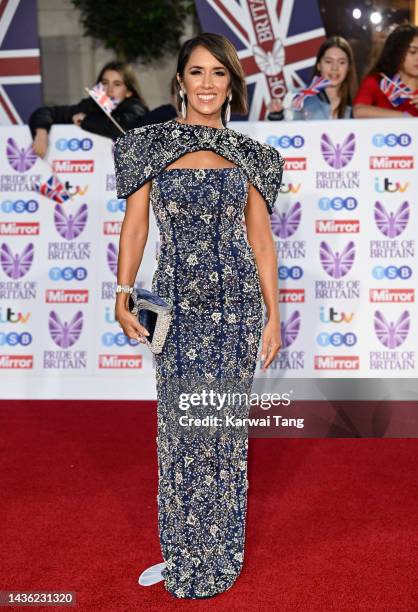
(334, 66)
(114, 85)
(410, 63)
(206, 82)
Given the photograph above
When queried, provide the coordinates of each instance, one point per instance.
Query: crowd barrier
(345, 227)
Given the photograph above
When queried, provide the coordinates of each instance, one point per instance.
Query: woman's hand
(275, 106)
(40, 142)
(271, 343)
(129, 324)
(78, 118)
(414, 101)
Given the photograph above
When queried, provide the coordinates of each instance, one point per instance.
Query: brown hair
(129, 78)
(348, 87)
(226, 54)
(394, 50)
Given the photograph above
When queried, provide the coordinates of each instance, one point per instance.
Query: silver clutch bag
(154, 313)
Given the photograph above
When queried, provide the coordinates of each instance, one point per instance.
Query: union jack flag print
(52, 189)
(314, 88)
(276, 41)
(20, 71)
(99, 95)
(395, 90)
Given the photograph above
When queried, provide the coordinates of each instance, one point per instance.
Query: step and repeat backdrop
(345, 228)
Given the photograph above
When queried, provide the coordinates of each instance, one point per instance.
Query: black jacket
(161, 114)
(127, 114)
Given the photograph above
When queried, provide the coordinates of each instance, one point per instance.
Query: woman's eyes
(218, 72)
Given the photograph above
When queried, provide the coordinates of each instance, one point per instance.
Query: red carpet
(331, 524)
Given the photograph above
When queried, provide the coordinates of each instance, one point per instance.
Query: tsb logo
(67, 274)
(74, 144)
(391, 140)
(337, 203)
(392, 272)
(336, 339)
(286, 142)
(19, 206)
(108, 339)
(115, 206)
(294, 272)
(14, 339)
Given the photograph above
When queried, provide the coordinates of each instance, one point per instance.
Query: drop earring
(183, 104)
(228, 109)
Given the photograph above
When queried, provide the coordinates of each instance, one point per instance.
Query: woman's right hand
(275, 106)
(40, 142)
(129, 324)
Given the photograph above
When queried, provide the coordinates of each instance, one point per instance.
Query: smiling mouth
(206, 97)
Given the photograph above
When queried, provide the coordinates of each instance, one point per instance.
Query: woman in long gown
(202, 179)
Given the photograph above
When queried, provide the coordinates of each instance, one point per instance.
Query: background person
(399, 56)
(120, 82)
(334, 62)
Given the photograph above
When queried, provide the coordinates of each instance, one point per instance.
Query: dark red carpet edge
(332, 524)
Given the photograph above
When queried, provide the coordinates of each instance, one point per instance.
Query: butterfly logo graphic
(337, 156)
(285, 224)
(69, 226)
(389, 223)
(270, 62)
(112, 258)
(15, 265)
(65, 334)
(290, 329)
(22, 159)
(391, 334)
(337, 264)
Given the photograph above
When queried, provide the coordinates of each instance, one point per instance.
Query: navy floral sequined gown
(207, 269)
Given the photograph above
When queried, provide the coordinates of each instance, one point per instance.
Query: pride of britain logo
(390, 333)
(390, 223)
(69, 226)
(337, 264)
(16, 265)
(21, 159)
(65, 333)
(338, 155)
(285, 224)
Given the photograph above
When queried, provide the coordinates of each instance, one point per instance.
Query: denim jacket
(315, 107)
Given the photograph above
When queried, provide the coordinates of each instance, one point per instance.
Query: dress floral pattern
(207, 269)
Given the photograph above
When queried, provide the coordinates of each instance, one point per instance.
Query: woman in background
(120, 82)
(398, 60)
(334, 62)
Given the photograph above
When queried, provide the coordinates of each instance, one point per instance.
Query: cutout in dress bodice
(201, 160)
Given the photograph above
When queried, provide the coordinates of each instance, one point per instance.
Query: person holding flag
(330, 93)
(114, 105)
(390, 88)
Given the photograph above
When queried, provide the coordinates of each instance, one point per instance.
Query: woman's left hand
(78, 118)
(271, 343)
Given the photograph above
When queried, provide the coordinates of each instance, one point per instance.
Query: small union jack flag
(276, 40)
(395, 90)
(314, 88)
(99, 95)
(52, 189)
(20, 69)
